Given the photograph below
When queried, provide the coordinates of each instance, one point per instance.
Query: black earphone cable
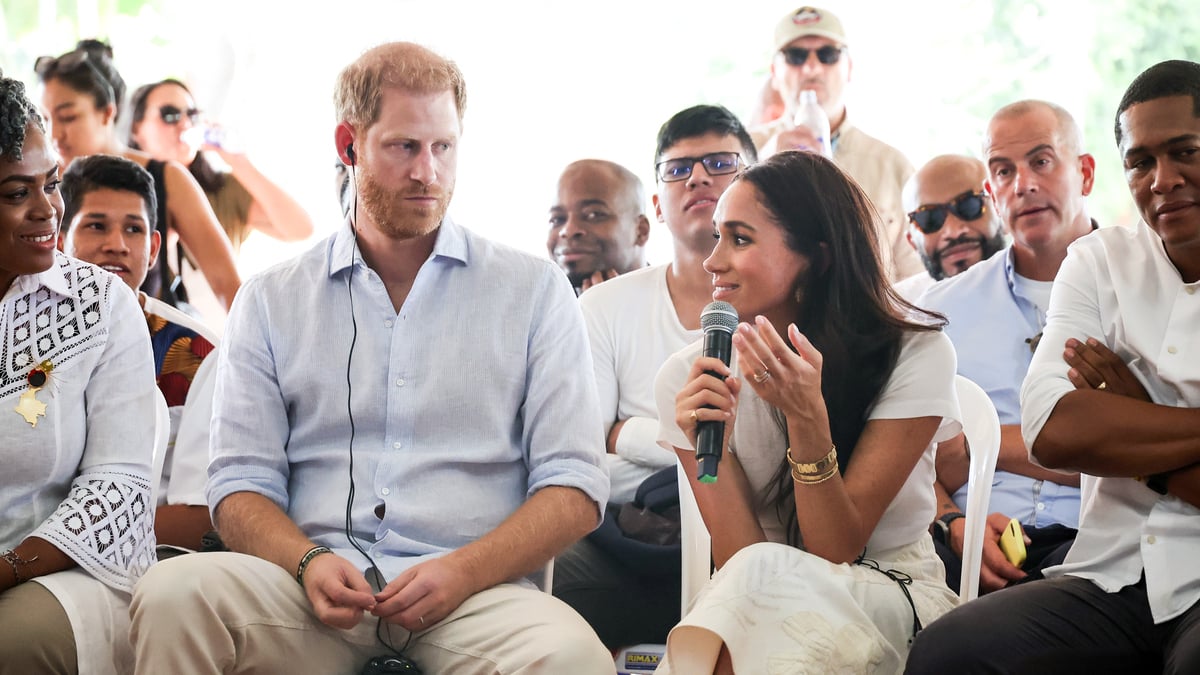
(379, 580)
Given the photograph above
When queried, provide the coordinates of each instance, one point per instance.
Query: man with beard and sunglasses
(402, 432)
(811, 53)
(949, 222)
(1038, 178)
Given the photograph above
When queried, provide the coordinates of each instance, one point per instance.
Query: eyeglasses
(798, 56)
(172, 115)
(48, 66)
(715, 164)
(968, 206)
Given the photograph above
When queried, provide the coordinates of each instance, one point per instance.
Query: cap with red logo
(808, 21)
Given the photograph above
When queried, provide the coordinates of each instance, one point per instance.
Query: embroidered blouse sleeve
(104, 524)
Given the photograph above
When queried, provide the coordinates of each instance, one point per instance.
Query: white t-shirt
(921, 385)
(183, 470)
(912, 287)
(633, 328)
(1118, 286)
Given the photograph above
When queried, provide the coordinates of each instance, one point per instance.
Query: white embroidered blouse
(80, 477)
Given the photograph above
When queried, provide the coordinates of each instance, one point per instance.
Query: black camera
(383, 665)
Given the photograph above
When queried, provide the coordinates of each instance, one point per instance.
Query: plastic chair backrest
(982, 428)
(162, 437)
(695, 543)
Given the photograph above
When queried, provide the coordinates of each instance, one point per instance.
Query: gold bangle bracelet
(811, 479)
(817, 468)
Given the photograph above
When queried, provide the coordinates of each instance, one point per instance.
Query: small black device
(383, 665)
(718, 321)
(350, 154)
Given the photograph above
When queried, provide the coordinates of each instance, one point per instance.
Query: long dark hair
(848, 309)
(87, 69)
(210, 179)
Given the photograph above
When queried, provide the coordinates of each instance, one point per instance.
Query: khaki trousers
(35, 634)
(231, 613)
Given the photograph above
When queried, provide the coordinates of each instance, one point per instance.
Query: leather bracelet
(13, 558)
(308, 558)
(940, 529)
(818, 468)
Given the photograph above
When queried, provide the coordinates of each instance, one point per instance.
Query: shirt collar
(451, 244)
(1010, 272)
(54, 279)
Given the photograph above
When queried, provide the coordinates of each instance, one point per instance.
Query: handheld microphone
(718, 321)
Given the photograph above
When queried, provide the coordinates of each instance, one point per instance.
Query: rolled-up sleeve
(1074, 313)
(249, 431)
(563, 433)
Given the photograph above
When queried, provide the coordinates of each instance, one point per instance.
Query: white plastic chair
(695, 544)
(162, 437)
(982, 428)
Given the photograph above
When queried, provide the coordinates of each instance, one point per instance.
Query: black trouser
(624, 607)
(1061, 625)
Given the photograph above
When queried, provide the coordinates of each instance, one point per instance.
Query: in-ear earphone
(350, 154)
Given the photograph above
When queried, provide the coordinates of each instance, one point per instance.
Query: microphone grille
(719, 315)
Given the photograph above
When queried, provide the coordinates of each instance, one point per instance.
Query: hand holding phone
(1012, 543)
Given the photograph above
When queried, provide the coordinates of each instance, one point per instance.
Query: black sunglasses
(715, 164)
(798, 56)
(172, 115)
(968, 206)
(48, 66)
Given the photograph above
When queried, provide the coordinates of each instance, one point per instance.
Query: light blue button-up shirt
(477, 394)
(990, 321)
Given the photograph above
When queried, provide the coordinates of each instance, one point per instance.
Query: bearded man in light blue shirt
(405, 424)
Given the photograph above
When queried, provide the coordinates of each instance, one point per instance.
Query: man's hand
(337, 590)
(598, 277)
(995, 572)
(1095, 366)
(424, 594)
(795, 138)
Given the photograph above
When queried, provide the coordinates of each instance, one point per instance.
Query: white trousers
(212, 613)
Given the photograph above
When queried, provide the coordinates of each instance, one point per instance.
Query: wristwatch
(941, 527)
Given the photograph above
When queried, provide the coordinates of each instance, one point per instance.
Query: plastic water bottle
(812, 116)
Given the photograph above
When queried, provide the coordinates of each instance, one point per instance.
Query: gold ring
(693, 417)
(765, 375)
(1102, 386)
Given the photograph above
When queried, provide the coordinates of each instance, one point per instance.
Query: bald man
(950, 222)
(598, 224)
(1038, 179)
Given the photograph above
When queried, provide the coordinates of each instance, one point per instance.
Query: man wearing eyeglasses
(634, 323)
(1038, 178)
(811, 53)
(949, 221)
(598, 224)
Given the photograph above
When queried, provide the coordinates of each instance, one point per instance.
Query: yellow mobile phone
(1012, 543)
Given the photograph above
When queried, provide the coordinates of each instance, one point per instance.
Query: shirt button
(1171, 350)
(385, 492)
(396, 445)
(387, 324)
(400, 382)
(1041, 506)
(1150, 539)
(1191, 290)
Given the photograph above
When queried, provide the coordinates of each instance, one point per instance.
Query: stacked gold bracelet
(814, 473)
